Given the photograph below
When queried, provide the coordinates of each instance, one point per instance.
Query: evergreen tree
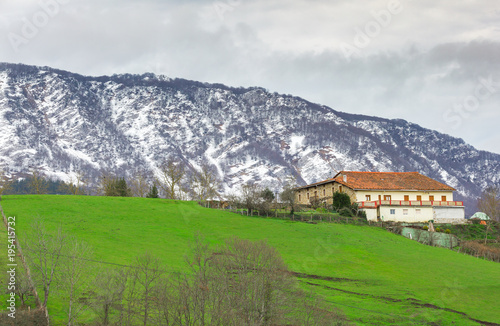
(153, 192)
(267, 195)
(122, 188)
(116, 187)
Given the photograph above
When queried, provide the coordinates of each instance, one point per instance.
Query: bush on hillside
(25, 317)
(341, 200)
(346, 212)
(477, 249)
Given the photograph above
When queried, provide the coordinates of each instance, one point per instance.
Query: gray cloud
(421, 63)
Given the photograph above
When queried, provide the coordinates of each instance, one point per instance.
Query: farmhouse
(389, 196)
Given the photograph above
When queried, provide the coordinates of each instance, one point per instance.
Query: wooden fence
(307, 218)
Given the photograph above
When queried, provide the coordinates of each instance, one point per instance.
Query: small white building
(390, 196)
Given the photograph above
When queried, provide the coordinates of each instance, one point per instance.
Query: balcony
(377, 203)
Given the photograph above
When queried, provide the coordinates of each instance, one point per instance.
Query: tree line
(237, 283)
(173, 180)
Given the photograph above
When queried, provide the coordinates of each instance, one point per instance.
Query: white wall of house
(371, 214)
(416, 213)
(406, 213)
(449, 213)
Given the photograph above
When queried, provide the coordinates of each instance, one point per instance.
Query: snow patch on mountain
(65, 122)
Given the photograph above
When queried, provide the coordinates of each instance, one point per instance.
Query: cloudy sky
(435, 63)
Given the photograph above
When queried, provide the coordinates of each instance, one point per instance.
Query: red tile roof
(386, 181)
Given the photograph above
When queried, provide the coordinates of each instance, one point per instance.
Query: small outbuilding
(480, 216)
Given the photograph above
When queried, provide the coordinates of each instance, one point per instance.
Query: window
(418, 211)
(405, 211)
(307, 195)
(324, 192)
(393, 212)
(431, 198)
(443, 198)
(300, 198)
(407, 198)
(419, 198)
(387, 197)
(340, 188)
(368, 198)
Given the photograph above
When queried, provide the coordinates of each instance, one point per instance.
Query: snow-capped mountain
(63, 122)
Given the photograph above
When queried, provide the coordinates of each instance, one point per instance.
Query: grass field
(375, 277)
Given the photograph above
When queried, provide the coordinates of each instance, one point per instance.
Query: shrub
(346, 211)
(321, 210)
(438, 229)
(362, 214)
(477, 249)
(341, 200)
(447, 231)
(425, 227)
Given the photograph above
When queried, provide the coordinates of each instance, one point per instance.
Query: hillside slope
(376, 277)
(64, 122)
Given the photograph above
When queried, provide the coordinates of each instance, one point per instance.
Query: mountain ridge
(64, 122)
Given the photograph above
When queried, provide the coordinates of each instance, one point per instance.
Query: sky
(434, 63)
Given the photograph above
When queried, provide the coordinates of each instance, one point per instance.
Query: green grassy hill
(374, 276)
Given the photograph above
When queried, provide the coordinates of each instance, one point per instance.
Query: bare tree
(131, 297)
(75, 185)
(110, 286)
(147, 272)
(172, 174)
(38, 184)
(44, 251)
(4, 182)
(78, 183)
(489, 202)
(75, 277)
(288, 195)
(251, 196)
(24, 288)
(242, 283)
(106, 181)
(256, 281)
(205, 183)
(234, 201)
(139, 184)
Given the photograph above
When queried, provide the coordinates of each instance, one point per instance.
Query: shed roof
(481, 216)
